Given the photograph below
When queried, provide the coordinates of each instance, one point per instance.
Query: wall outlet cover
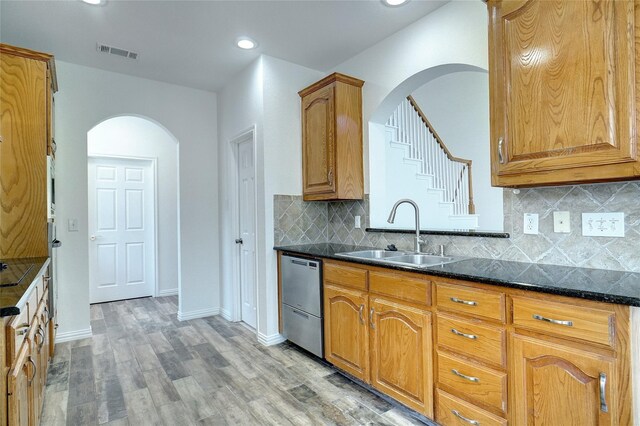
(72, 225)
(603, 224)
(357, 222)
(531, 223)
(561, 222)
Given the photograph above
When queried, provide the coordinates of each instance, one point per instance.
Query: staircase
(431, 175)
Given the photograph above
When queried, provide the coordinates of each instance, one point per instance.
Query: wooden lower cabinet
(556, 385)
(346, 331)
(20, 388)
(401, 353)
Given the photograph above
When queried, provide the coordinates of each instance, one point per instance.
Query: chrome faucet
(392, 217)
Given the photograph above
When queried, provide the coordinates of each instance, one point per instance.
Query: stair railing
(452, 174)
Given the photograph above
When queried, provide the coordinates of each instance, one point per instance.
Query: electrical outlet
(603, 224)
(561, 222)
(531, 223)
(357, 224)
(72, 225)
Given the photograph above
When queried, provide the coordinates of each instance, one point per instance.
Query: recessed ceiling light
(246, 43)
(394, 3)
(94, 2)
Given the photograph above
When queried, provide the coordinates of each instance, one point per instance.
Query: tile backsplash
(300, 222)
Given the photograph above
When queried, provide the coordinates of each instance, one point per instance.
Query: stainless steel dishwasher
(302, 302)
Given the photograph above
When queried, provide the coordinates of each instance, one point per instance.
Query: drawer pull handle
(461, 417)
(371, 312)
(23, 329)
(553, 321)
(361, 314)
(464, 376)
(35, 369)
(603, 393)
(500, 156)
(464, 302)
(302, 314)
(461, 334)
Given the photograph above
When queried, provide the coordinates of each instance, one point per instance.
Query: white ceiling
(192, 43)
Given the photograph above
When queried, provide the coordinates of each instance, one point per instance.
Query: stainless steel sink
(373, 254)
(401, 258)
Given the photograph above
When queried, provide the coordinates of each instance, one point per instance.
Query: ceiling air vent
(103, 48)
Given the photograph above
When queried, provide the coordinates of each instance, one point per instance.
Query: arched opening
(454, 98)
(133, 168)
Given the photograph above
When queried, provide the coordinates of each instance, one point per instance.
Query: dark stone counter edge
(460, 233)
(7, 311)
(580, 294)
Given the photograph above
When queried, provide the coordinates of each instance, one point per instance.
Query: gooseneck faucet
(392, 217)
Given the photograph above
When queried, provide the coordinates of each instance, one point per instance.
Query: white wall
(457, 105)
(265, 95)
(130, 136)
(87, 97)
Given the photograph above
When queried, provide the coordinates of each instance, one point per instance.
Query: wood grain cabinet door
(562, 90)
(18, 389)
(401, 353)
(555, 385)
(346, 330)
(318, 141)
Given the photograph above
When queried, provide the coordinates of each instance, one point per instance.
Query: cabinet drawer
(33, 301)
(482, 384)
(472, 338)
(345, 275)
(565, 320)
(456, 412)
(472, 301)
(401, 287)
(16, 333)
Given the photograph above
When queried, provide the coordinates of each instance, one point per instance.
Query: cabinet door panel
(346, 330)
(401, 353)
(18, 389)
(318, 146)
(561, 73)
(561, 385)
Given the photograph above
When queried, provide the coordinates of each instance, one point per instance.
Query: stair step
(400, 143)
(424, 176)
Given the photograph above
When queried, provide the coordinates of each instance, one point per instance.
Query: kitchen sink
(401, 258)
(373, 254)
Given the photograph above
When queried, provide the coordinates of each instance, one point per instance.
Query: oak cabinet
(401, 353)
(27, 79)
(19, 390)
(332, 139)
(563, 91)
(346, 332)
(561, 385)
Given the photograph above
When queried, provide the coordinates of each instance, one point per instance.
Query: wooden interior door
(555, 385)
(346, 330)
(18, 382)
(401, 354)
(562, 85)
(318, 136)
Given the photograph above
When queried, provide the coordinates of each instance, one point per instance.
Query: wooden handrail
(444, 148)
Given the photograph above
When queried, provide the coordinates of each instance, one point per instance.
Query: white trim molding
(226, 314)
(74, 335)
(271, 340)
(200, 313)
(169, 292)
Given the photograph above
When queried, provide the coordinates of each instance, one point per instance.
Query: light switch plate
(357, 224)
(561, 222)
(531, 223)
(72, 225)
(603, 224)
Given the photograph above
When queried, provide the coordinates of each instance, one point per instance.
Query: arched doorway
(133, 209)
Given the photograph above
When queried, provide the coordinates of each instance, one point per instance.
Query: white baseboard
(225, 314)
(273, 339)
(201, 313)
(169, 292)
(73, 335)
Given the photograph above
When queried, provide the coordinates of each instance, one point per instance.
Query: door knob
(239, 241)
(93, 238)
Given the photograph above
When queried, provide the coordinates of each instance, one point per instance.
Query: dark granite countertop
(594, 284)
(11, 296)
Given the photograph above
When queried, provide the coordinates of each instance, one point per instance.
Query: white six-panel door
(247, 205)
(121, 229)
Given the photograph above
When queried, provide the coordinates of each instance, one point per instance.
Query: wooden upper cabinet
(27, 79)
(554, 385)
(563, 86)
(332, 139)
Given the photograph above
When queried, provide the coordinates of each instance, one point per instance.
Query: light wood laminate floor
(144, 367)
